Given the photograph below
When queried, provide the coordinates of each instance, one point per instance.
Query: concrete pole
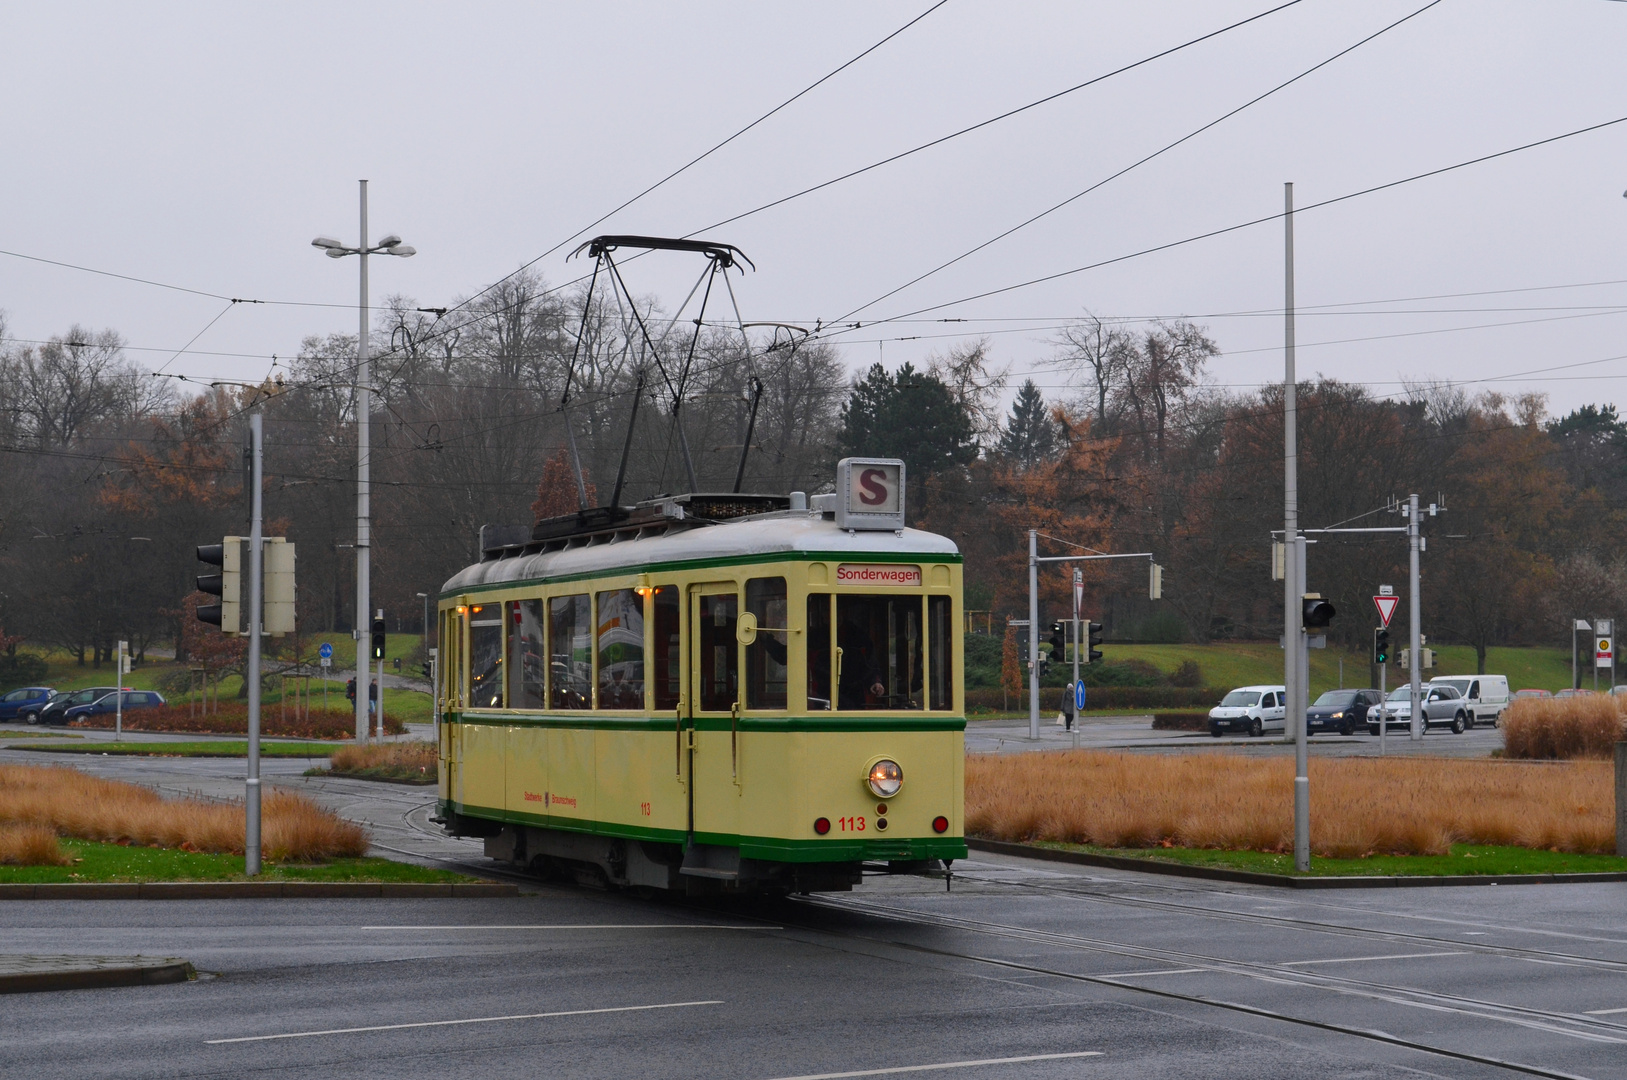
(1415, 606)
(1033, 634)
(364, 509)
(251, 791)
(1621, 798)
(1293, 635)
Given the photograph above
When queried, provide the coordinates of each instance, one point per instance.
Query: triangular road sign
(1386, 607)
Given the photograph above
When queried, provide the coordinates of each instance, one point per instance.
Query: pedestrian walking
(350, 690)
(373, 698)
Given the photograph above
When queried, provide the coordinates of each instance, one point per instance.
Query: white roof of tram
(797, 533)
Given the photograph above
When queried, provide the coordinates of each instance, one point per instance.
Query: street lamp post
(390, 245)
(423, 634)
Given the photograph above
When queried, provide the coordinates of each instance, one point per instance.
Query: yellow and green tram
(707, 694)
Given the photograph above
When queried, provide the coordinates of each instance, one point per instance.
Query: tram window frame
(665, 661)
(819, 661)
(451, 660)
(769, 600)
(528, 684)
(570, 693)
(854, 695)
(940, 654)
(716, 639)
(485, 618)
(626, 688)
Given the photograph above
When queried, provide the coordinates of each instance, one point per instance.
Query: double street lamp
(390, 245)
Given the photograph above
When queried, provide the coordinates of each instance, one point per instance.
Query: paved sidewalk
(30, 974)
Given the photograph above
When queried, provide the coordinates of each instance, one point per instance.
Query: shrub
(1182, 720)
(1188, 674)
(1579, 727)
(1133, 699)
(232, 718)
(21, 669)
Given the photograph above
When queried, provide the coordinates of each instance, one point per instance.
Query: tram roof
(797, 534)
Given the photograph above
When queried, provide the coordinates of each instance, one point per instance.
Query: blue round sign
(1079, 695)
(326, 651)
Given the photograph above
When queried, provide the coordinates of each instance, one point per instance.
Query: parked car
(1573, 692)
(1254, 709)
(1617, 691)
(1485, 696)
(25, 703)
(1530, 692)
(108, 704)
(54, 709)
(1443, 707)
(1340, 710)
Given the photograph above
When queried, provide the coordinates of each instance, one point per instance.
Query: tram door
(715, 764)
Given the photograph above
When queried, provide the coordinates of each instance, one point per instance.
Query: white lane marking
(1605, 1012)
(584, 926)
(944, 1065)
(1359, 959)
(450, 1023)
(1144, 974)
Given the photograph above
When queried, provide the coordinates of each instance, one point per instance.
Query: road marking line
(450, 1023)
(945, 1065)
(585, 926)
(1605, 1012)
(1358, 959)
(1144, 974)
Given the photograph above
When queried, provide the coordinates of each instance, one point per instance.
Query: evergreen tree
(1030, 436)
(910, 415)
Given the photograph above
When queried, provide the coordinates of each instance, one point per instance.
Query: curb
(156, 973)
(253, 890)
(1281, 881)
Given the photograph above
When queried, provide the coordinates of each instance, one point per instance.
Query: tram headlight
(885, 778)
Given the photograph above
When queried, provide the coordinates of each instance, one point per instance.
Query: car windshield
(1240, 699)
(1462, 687)
(1337, 697)
(1401, 693)
(1440, 693)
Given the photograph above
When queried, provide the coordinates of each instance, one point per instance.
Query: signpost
(1604, 650)
(1386, 607)
(326, 653)
(1386, 601)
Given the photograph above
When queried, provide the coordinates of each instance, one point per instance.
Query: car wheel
(31, 718)
(1458, 725)
(1256, 729)
(1345, 728)
(1214, 732)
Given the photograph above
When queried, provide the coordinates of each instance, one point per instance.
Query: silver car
(1443, 707)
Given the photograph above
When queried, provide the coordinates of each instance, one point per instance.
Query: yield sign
(1386, 607)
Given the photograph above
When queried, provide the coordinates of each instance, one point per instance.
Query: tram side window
(528, 663)
(880, 642)
(621, 649)
(485, 656)
(941, 644)
(451, 668)
(818, 651)
(667, 659)
(719, 656)
(766, 658)
(570, 652)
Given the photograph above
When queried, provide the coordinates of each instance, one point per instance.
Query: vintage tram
(710, 693)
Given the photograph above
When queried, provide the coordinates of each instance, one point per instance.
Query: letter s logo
(872, 487)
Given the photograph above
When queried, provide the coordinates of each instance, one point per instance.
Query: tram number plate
(850, 824)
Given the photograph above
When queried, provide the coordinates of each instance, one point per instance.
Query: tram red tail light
(822, 825)
(940, 824)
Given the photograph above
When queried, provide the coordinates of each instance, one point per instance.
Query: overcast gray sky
(204, 145)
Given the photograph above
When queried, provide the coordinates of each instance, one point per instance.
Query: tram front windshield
(879, 662)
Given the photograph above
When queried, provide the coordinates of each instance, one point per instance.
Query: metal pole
(1383, 708)
(1078, 640)
(1033, 634)
(251, 793)
(381, 689)
(1415, 605)
(1293, 635)
(118, 702)
(364, 513)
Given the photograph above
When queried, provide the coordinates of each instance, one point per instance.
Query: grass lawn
(36, 735)
(1464, 859)
(221, 748)
(116, 862)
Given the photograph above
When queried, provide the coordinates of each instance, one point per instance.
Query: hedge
(1128, 698)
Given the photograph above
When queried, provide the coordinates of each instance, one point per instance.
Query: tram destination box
(869, 494)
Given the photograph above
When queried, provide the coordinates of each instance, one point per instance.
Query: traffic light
(228, 585)
(278, 614)
(1093, 638)
(1381, 645)
(425, 670)
(378, 639)
(1059, 641)
(1316, 612)
(1155, 582)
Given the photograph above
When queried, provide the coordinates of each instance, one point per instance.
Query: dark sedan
(24, 703)
(54, 711)
(1340, 710)
(108, 704)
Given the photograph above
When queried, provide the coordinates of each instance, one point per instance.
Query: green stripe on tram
(788, 724)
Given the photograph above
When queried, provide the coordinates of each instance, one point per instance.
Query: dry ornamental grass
(66, 802)
(1359, 806)
(403, 758)
(31, 845)
(1579, 727)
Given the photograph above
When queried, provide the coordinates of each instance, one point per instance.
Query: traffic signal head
(227, 585)
(378, 639)
(1316, 612)
(1093, 638)
(1059, 641)
(1381, 645)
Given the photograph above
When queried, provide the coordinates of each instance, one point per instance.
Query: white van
(1485, 695)
(1254, 709)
